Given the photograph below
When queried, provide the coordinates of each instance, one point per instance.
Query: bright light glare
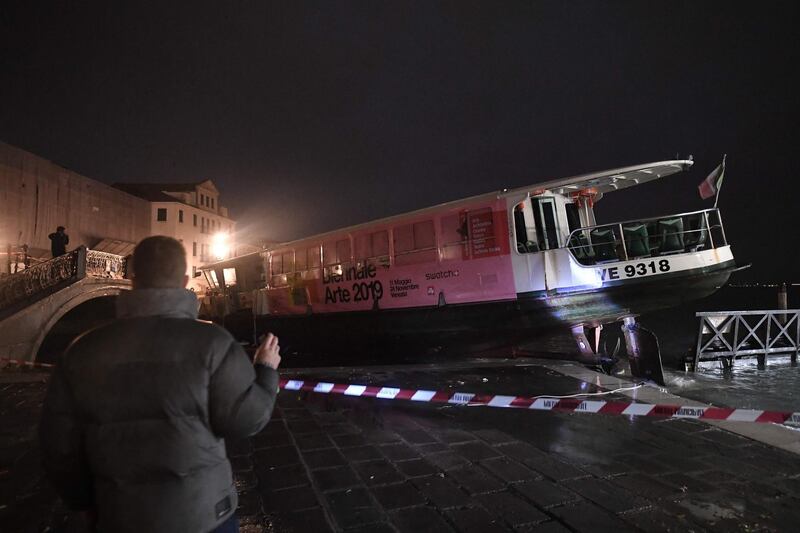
(220, 245)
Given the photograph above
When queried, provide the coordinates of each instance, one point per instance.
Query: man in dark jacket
(136, 414)
(58, 241)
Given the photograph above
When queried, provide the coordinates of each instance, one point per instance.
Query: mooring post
(782, 303)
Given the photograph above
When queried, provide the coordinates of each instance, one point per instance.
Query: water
(774, 388)
(745, 386)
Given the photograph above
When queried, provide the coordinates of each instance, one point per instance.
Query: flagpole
(716, 198)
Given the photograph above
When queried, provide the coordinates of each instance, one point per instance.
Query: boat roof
(612, 180)
(596, 183)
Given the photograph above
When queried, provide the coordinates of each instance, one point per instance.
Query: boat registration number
(634, 270)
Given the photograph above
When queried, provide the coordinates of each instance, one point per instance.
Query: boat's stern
(650, 250)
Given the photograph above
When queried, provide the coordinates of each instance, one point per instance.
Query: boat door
(544, 216)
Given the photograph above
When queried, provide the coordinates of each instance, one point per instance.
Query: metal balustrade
(727, 335)
(23, 288)
(649, 237)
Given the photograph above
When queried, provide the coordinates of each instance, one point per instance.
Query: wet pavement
(336, 463)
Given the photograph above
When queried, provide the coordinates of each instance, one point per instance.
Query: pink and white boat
(492, 270)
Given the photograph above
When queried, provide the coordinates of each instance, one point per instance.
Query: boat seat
(581, 249)
(637, 241)
(654, 239)
(604, 244)
(696, 233)
(670, 231)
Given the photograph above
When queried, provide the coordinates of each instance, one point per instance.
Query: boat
(494, 270)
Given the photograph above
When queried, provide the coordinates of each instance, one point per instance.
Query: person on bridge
(59, 241)
(137, 411)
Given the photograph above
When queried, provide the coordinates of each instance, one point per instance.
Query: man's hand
(267, 352)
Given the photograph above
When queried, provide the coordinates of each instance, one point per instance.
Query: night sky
(316, 115)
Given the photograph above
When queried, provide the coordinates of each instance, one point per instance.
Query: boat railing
(649, 237)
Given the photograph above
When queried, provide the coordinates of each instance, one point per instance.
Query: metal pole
(718, 185)
(721, 228)
(796, 338)
(624, 248)
(708, 229)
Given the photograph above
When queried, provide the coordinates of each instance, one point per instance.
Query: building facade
(191, 213)
(37, 195)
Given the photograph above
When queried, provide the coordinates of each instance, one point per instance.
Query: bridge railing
(727, 335)
(24, 288)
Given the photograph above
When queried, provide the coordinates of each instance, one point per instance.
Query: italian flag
(711, 185)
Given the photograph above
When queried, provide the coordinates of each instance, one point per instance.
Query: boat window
(313, 257)
(288, 261)
(380, 244)
(424, 235)
(336, 256)
(329, 255)
(544, 215)
(300, 260)
(454, 237)
(415, 243)
(362, 246)
(372, 248)
(573, 217)
(230, 276)
(211, 279)
(403, 239)
(277, 272)
(343, 250)
(524, 244)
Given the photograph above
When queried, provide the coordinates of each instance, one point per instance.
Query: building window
(194, 271)
(194, 220)
(212, 203)
(161, 214)
(194, 249)
(202, 199)
(180, 216)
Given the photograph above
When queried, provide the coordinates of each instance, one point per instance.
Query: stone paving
(332, 463)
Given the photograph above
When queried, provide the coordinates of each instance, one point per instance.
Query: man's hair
(60, 228)
(159, 263)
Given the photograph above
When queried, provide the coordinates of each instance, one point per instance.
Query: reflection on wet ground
(336, 463)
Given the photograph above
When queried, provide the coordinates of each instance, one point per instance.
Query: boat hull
(456, 329)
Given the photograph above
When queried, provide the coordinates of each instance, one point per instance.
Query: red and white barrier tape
(545, 403)
(32, 364)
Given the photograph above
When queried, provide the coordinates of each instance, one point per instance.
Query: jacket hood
(172, 303)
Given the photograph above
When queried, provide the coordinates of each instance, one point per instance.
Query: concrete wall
(37, 195)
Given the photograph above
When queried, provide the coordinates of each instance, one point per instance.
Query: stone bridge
(44, 307)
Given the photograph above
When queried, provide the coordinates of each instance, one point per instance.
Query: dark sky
(316, 115)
